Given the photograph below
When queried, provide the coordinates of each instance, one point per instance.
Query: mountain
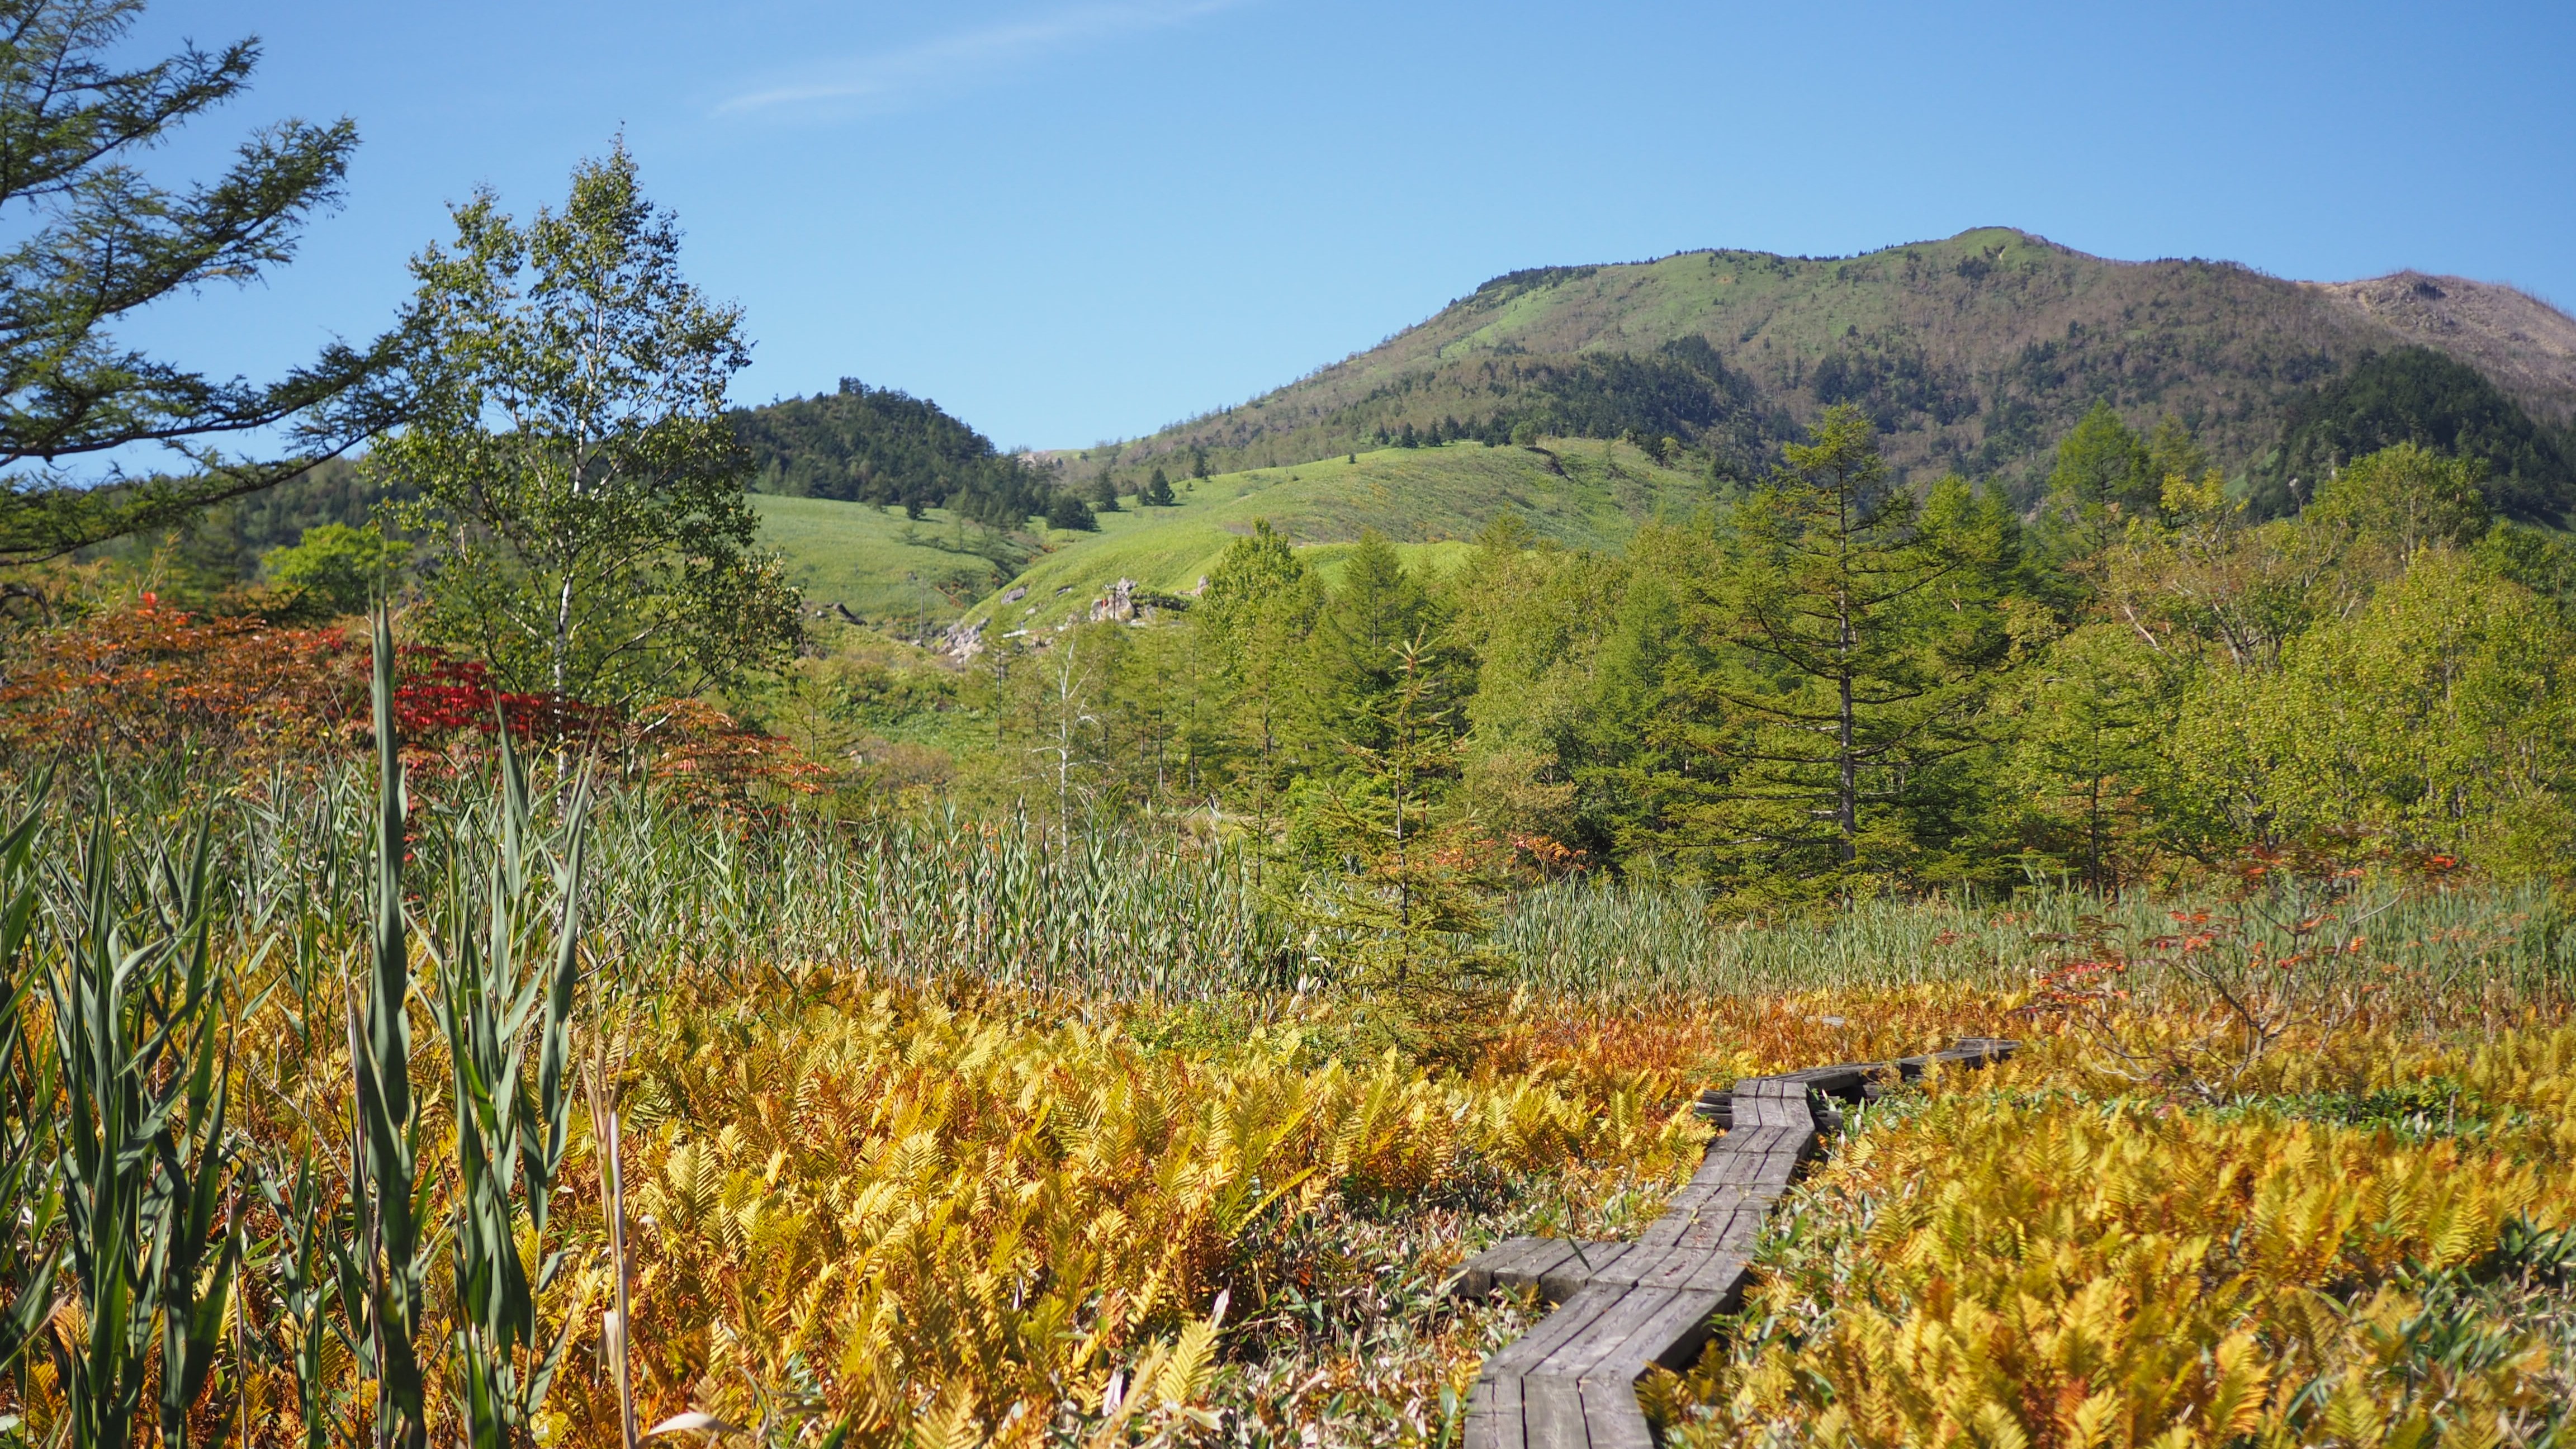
(1660, 386)
(863, 444)
(2524, 345)
(1975, 353)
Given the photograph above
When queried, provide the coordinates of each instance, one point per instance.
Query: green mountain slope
(1584, 494)
(881, 565)
(1977, 353)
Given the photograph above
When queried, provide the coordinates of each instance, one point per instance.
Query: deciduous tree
(591, 537)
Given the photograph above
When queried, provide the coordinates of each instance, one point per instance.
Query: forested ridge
(863, 444)
(1972, 354)
(1838, 683)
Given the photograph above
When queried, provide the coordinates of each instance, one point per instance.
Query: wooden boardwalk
(1571, 1382)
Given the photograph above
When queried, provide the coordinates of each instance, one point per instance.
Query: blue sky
(1082, 220)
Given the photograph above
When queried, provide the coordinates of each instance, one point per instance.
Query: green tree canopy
(337, 567)
(1378, 607)
(582, 487)
(2104, 476)
(94, 241)
(1853, 636)
(2404, 498)
(1256, 621)
(2418, 395)
(2438, 717)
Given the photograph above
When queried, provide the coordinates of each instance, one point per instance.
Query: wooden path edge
(1622, 1308)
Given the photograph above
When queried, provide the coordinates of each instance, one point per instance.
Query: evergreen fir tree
(1399, 921)
(1853, 636)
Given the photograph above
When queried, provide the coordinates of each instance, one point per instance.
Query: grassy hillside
(1976, 352)
(1584, 494)
(880, 565)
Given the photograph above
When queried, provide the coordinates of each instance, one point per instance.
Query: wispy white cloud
(890, 78)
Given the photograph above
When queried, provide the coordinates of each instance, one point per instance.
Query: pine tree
(1158, 491)
(1377, 608)
(2103, 478)
(1256, 621)
(1853, 635)
(1399, 921)
(95, 241)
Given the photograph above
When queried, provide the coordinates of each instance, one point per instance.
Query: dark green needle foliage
(93, 240)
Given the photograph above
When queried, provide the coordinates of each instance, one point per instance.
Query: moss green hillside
(1974, 352)
(880, 565)
(1429, 501)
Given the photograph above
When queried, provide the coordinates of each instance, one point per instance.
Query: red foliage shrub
(140, 681)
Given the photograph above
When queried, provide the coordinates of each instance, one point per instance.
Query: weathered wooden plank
(1571, 1317)
(1578, 1268)
(1671, 1336)
(1655, 1267)
(1570, 1382)
(1669, 1229)
(1476, 1276)
(1725, 1273)
(1771, 1102)
(1747, 1146)
(1531, 1270)
(1484, 1428)
(1743, 1230)
(1649, 1326)
(1612, 1418)
(1692, 1228)
(1564, 1268)
(1718, 1228)
(1769, 1175)
(1840, 1081)
(1677, 1269)
(1606, 1337)
(1552, 1412)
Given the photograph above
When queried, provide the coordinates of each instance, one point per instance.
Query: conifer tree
(1377, 608)
(1399, 919)
(1853, 635)
(94, 242)
(1256, 620)
(2104, 476)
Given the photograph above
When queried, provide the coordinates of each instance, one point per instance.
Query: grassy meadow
(1429, 501)
(879, 564)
